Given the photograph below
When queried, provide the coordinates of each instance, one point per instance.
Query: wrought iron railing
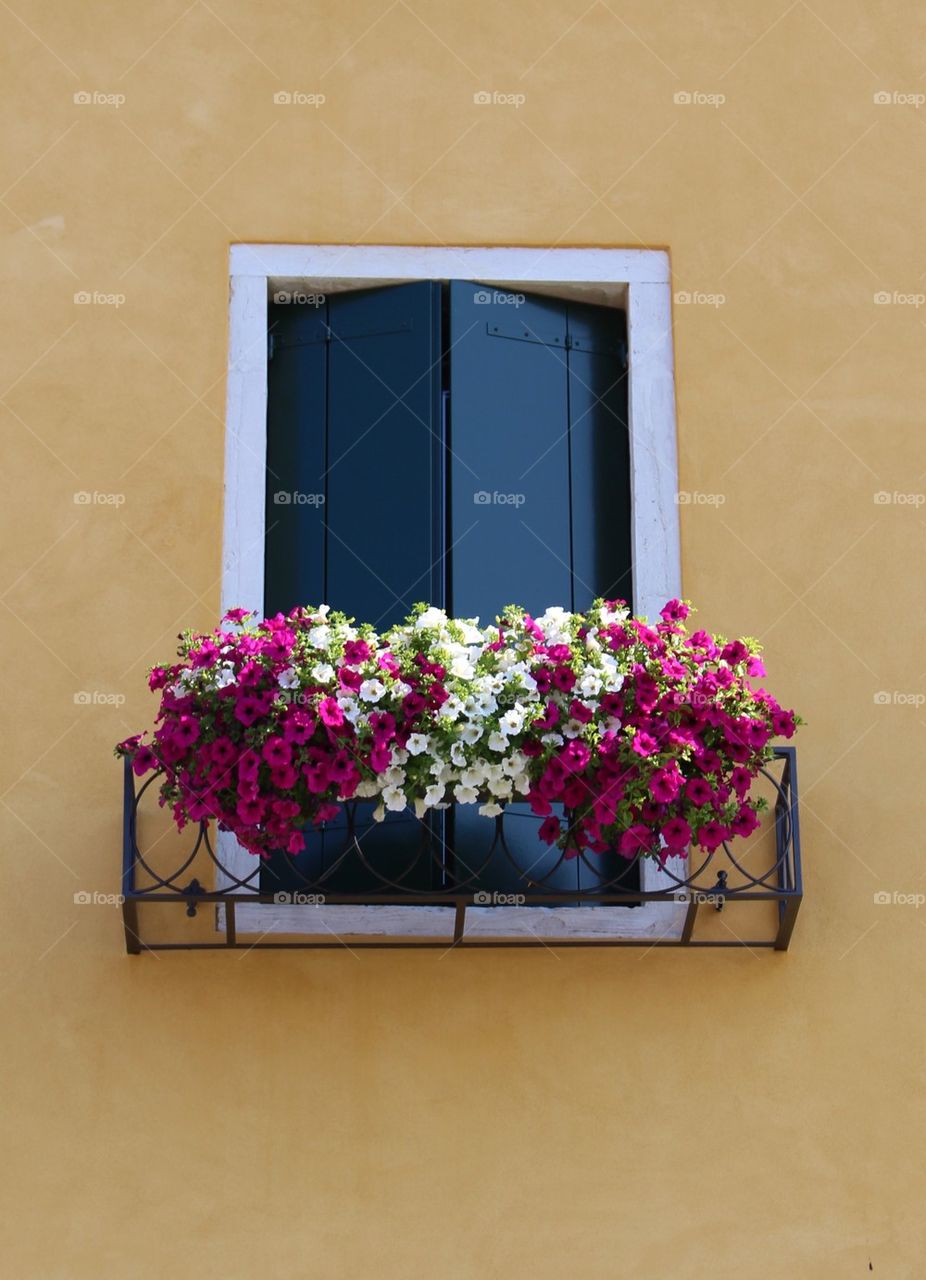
(426, 870)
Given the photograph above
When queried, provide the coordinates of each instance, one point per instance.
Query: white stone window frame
(639, 280)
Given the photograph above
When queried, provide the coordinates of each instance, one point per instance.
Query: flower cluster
(644, 738)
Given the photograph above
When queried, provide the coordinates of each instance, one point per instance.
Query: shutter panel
(508, 414)
(381, 462)
(384, 451)
(599, 454)
(297, 392)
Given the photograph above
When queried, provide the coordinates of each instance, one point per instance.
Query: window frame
(639, 280)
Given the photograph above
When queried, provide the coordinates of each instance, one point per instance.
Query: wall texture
(497, 1114)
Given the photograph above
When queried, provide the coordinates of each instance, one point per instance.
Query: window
(456, 443)
(461, 378)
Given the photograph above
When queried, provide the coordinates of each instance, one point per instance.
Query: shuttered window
(454, 443)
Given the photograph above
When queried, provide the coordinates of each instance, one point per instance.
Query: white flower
(372, 690)
(431, 618)
(462, 668)
(572, 728)
(323, 672)
(434, 794)
(393, 777)
(498, 742)
(224, 675)
(323, 611)
(401, 688)
(420, 807)
(590, 685)
(451, 708)
(552, 739)
(399, 756)
(319, 637)
(470, 733)
(513, 721)
(515, 764)
(394, 799)
(612, 724)
(287, 679)
(465, 795)
(368, 787)
(418, 742)
(491, 810)
(458, 755)
(379, 813)
(474, 776)
(501, 788)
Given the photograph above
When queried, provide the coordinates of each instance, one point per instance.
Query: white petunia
(513, 720)
(379, 813)
(465, 795)
(462, 668)
(368, 787)
(417, 742)
(287, 679)
(590, 685)
(224, 676)
(498, 742)
(474, 776)
(491, 810)
(471, 633)
(458, 755)
(323, 672)
(399, 756)
(434, 794)
(372, 690)
(431, 618)
(471, 733)
(394, 799)
(319, 637)
(572, 728)
(394, 776)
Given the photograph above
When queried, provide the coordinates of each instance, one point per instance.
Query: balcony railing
(414, 887)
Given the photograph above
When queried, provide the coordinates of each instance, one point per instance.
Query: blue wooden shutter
(354, 415)
(539, 502)
(385, 452)
(297, 410)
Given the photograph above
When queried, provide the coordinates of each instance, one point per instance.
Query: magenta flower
(549, 831)
(644, 744)
(413, 704)
(388, 662)
(144, 761)
(186, 732)
(674, 611)
(330, 713)
(277, 753)
(745, 822)
(666, 783)
(299, 727)
(741, 781)
(677, 834)
(356, 651)
(637, 839)
(284, 777)
(783, 724)
(295, 843)
(575, 755)
(236, 615)
(543, 678)
(564, 678)
(579, 711)
(711, 835)
(250, 707)
(250, 811)
(734, 653)
(699, 791)
(157, 678)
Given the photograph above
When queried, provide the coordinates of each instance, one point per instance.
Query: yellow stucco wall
(543, 1114)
